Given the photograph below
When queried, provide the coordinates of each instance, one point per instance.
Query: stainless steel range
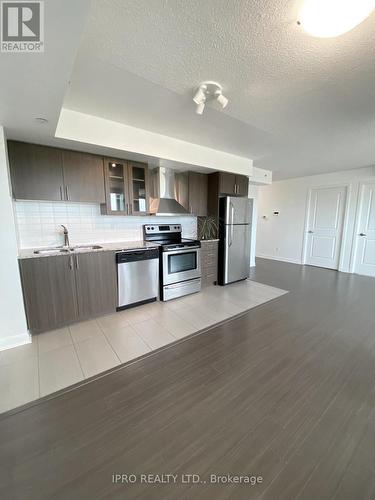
(180, 260)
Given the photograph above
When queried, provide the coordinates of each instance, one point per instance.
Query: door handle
(71, 262)
(310, 232)
(231, 224)
(362, 234)
(67, 193)
(61, 193)
(77, 263)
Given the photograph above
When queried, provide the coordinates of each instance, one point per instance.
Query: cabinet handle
(77, 262)
(362, 234)
(127, 208)
(71, 262)
(61, 193)
(67, 193)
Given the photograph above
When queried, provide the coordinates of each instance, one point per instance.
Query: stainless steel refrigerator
(235, 216)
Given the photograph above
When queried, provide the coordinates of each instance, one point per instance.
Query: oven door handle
(182, 250)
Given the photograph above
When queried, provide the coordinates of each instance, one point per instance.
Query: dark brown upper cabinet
(227, 183)
(191, 192)
(127, 187)
(138, 188)
(242, 183)
(45, 173)
(116, 187)
(83, 177)
(232, 184)
(181, 189)
(222, 184)
(36, 172)
(198, 193)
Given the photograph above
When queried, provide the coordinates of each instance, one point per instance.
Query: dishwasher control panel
(137, 255)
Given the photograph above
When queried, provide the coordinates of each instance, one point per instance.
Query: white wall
(38, 224)
(281, 237)
(89, 129)
(13, 327)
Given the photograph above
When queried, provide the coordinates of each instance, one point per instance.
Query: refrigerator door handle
(231, 207)
(231, 224)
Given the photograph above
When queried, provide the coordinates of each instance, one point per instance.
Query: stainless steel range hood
(163, 201)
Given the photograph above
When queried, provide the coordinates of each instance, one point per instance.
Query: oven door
(181, 265)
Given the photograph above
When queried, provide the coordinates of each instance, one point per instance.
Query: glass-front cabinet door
(116, 178)
(138, 188)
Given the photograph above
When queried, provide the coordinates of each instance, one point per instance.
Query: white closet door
(325, 227)
(365, 254)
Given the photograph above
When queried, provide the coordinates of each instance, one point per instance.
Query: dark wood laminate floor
(286, 392)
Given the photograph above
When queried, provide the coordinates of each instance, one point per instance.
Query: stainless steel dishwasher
(137, 276)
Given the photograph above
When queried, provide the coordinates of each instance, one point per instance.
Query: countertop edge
(29, 253)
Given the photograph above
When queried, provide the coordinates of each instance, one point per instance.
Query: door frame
(359, 207)
(348, 188)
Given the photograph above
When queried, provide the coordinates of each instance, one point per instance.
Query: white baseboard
(15, 341)
(281, 259)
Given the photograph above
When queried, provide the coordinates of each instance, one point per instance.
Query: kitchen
(187, 213)
(119, 258)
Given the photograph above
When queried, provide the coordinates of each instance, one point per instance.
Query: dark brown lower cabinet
(209, 261)
(49, 291)
(62, 289)
(96, 278)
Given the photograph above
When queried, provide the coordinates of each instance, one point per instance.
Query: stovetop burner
(185, 243)
(168, 236)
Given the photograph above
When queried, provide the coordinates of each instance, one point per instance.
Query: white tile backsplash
(38, 224)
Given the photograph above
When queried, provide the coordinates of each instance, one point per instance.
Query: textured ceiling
(298, 105)
(34, 85)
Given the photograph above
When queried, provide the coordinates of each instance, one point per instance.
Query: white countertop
(29, 253)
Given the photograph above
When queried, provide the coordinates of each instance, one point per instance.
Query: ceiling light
(200, 95)
(330, 18)
(209, 91)
(222, 100)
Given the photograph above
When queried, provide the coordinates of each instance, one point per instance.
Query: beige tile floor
(63, 357)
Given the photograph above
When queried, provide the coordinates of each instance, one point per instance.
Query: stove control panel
(162, 228)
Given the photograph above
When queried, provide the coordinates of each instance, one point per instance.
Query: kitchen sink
(82, 248)
(47, 251)
(57, 250)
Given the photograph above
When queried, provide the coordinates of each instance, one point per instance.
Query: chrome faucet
(66, 236)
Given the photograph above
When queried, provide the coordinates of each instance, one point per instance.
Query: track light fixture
(200, 96)
(209, 91)
(222, 100)
(200, 108)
